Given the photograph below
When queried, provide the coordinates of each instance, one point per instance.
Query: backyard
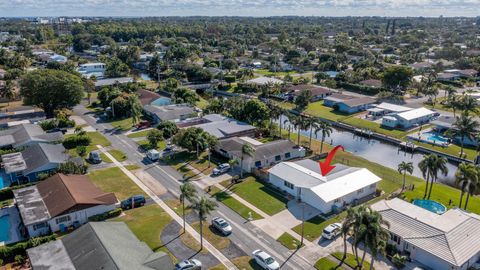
(317, 109)
(114, 180)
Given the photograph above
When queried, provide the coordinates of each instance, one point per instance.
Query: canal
(377, 151)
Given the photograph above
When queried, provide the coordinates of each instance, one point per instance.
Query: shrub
(81, 150)
(110, 214)
(7, 193)
(10, 253)
(19, 259)
(72, 168)
(399, 260)
(76, 140)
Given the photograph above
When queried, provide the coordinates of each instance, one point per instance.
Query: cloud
(238, 7)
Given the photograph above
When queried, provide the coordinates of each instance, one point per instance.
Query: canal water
(377, 151)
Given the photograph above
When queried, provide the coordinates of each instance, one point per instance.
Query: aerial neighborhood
(239, 143)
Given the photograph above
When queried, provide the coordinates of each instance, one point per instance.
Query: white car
(153, 155)
(192, 264)
(222, 225)
(264, 260)
(222, 168)
(332, 230)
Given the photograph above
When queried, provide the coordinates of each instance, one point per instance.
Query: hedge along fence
(8, 253)
(76, 140)
(110, 214)
(363, 89)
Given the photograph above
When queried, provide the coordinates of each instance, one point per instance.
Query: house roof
(99, 245)
(112, 81)
(265, 80)
(146, 97)
(444, 121)
(415, 113)
(262, 150)
(372, 83)
(170, 112)
(342, 180)
(452, 236)
(358, 101)
(315, 90)
(21, 134)
(392, 107)
(221, 126)
(39, 155)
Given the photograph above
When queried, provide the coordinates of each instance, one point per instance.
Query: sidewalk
(215, 252)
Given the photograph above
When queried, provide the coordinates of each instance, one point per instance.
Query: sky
(256, 8)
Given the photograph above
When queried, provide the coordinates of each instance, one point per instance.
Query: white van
(153, 155)
(332, 230)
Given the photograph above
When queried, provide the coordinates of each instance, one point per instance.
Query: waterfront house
(219, 126)
(39, 158)
(264, 81)
(92, 69)
(318, 93)
(59, 202)
(173, 112)
(348, 104)
(265, 155)
(409, 119)
(444, 123)
(385, 108)
(24, 135)
(112, 81)
(447, 241)
(342, 187)
(98, 245)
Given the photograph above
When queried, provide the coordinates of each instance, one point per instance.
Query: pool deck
(14, 220)
(421, 137)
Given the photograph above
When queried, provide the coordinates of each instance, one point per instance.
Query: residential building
(385, 108)
(318, 92)
(409, 119)
(444, 123)
(342, 187)
(372, 83)
(27, 134)
(92, 69)
(442, 242)
(59, 202)
(264, 81)
(348, 104)
(24, 166)
(265, 154)
(219, 126)
(174, 112)
(19, 117)
(99, 245)
(112, 81)
(147, 97)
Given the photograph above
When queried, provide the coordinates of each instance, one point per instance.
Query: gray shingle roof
(41, 154)
(221, 126)
(25, 133)
(100, 245)
(262, 151)
(170, 112)
(452, 236)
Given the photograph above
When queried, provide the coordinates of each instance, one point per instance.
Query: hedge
(74, 141)
(359, 88)
(110, 214)
(7, 193)
(8, 253)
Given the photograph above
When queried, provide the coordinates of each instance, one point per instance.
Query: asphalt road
(245, 235)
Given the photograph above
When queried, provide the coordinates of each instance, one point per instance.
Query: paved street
(246, 236)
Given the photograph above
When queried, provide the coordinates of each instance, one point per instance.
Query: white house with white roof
(408, 119)
(449, 241)
(343, 186)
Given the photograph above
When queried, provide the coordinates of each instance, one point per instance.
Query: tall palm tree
(312, 123)
(464, 176)
(248, 150)
(347, 228)
(424, 167)
(473, 187)
(465, 126)
(187, 193)
(468, 104)
(275, 113)
(374, 234)
(204, 207)
(300, 123)
(430, 166)
(403, 168)
(8, 91)
(287, 120)
(326, 130)
(453, 102)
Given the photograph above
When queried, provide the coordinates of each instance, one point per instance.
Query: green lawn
(452, 149)
(147, 223)
(266, 72)
(313, 227)
(118, 155)
(122, 124)
(350, 260)
(114, 180)
(233, 204)
(258, 194)
(318, 110)
(289, 241)
(202, 103)
(132, 167)
(212, 235)
(325, 264)
(138, 134)
(105, 158)
(98, 139)
(145, 145)
(362, 123)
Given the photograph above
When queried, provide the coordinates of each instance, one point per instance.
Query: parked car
(222, 168)
(332, 230)
(153, 155)
(264, 260)
(192, 264)
(143, 124)
(137, 201)
(94, 157)
(222, 225)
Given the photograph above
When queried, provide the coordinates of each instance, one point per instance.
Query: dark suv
(138, 200)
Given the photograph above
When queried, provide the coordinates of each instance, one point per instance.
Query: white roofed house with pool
(343, 186)
(409, 119)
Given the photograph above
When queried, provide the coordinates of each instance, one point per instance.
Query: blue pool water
(162, 101)
(431, 206)
(2, 182)
(434, 137)
(4, 228)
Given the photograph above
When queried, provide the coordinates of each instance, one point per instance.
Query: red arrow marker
(325, 166)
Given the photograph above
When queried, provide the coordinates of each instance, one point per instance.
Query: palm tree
(468, 104)
(204, 207)
(374, 234)
(465, 127)
(424, 167)
(430, 166)
(312, 123)
(287, 120)
(453, 103)
(473, 187)
(247, 149)
(275, 113)
(347, 227)
(187, 192)
(450, 91)
(464, 176)
(300, 123)
(8, 91)
(326, 130)
(403, 168)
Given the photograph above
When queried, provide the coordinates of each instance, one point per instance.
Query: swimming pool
(2, 182)
(434, 137)
(4, 228)
(431, 206)
(162, 101)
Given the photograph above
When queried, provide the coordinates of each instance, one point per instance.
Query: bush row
(76, 140)
(8, 253)
(363, 89)
(110, 214)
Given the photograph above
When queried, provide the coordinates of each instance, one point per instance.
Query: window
(278, 158)
(258, 163)
(62, 219)
(336, 201)
(287, 184)
(39, 226)
(287, 155)
(360, 191)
